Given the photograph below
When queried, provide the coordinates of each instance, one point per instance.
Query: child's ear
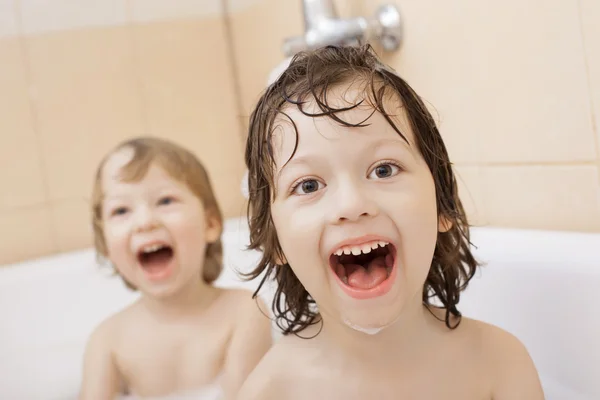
(213, 228)
(444, 224)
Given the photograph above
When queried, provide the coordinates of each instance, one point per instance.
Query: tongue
(156, 261)
(366, 278)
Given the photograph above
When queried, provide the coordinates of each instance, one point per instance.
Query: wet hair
(181, 165)
(309, 78)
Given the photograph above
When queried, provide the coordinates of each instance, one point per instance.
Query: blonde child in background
(354, 204)
(157, 221)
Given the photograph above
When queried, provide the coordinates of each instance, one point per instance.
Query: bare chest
(172, 359)
(437, 383)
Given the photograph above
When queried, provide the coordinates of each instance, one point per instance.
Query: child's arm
(250, 341)
(515, 375)
(100, 375)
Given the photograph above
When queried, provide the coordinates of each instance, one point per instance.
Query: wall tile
(590, 15)
(543, 197)
(25, 234)
(21, 177)
(8, 18)
(186, 87)
(159, 10)
(71, 220)
(470, 189)
(507, 78)
(259, 29)
(87, 101)
(41, 16)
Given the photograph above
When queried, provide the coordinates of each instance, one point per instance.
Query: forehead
(111, 177)
(296, 133)
(114, 163)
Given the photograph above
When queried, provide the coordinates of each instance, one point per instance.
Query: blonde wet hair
(181, 165)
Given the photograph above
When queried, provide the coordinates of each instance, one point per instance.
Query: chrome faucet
(323, 27)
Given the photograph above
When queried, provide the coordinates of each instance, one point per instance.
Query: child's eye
(306, 186)
(164, 201)
(384, 170)
(119, 211)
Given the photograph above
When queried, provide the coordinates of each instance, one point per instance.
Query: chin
(161, 291)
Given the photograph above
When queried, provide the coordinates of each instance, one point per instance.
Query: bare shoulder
(243, 302)
(101, 378)
(103, 336)
(271, 378)
(512, 372)
(251, 335)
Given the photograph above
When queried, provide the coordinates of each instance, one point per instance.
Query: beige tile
(160, 10)
(25, 234)
(86, 100)
(590, 15)
(227, 187)
(508, 77)
(543, 197)
(258, 31)
(8, 18)
(71, 220)
(186, 88)
(351, 8)
(470, 190)
(41, 16)
(240, 5)
(21, 177)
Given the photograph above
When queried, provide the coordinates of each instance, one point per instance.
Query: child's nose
(352, 202)
(145, 220)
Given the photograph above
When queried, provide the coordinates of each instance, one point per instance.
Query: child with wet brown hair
(354, 204)
(157, 221)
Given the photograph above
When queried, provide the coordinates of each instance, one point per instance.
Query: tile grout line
(35, 122)
(234, 66)
(527, 164)
(593, 121)
(130, 26)
(38, 205)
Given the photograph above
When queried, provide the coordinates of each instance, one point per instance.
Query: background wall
(515, 86)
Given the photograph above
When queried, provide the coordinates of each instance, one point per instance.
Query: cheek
(418, 201)
(299, 233)
(417, 222)
(297, 227)
(188, 232)
(185, 224)
(116, 238)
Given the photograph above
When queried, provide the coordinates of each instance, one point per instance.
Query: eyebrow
(111, 197)
(293, 161)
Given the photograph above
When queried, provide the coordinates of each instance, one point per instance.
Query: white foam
(368, 331)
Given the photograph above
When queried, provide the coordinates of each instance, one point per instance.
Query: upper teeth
(152, 248)
(360, 249)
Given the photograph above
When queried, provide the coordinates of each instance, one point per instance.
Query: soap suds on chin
(368, 331)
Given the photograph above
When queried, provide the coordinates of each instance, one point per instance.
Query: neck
(191, 299)
(405, 336)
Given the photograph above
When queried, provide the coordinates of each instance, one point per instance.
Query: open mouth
(155, 260)
(364, 270)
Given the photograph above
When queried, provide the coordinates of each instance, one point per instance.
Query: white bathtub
(539, 285)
